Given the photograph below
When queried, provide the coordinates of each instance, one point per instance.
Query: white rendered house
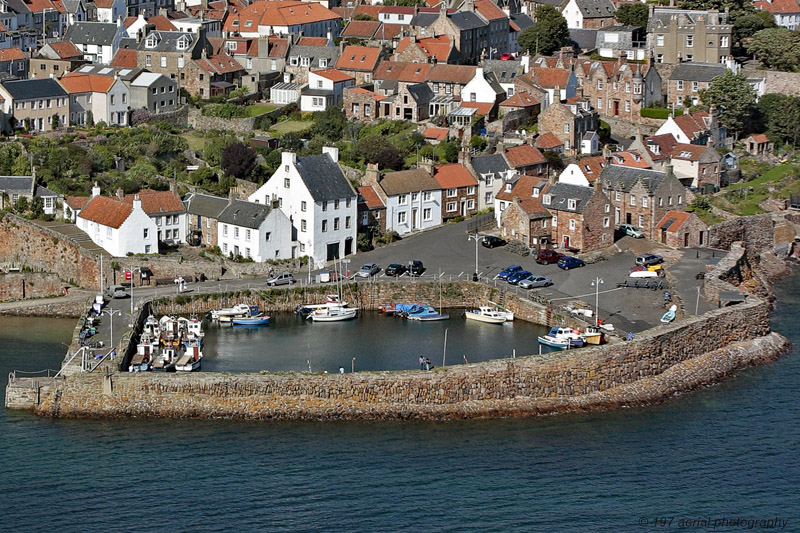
(254, 231)
(118, 227)
(321, 204)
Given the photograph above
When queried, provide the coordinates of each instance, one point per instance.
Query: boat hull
(339, 317)
(250, 321)
(430, 318)
(553, 343)
(482, 318)
(187, 366)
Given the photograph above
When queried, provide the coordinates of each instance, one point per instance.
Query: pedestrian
(421, 363)
(427, 364)
(341, 370)
(630, 336)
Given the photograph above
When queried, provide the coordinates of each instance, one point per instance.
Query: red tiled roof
(550, 77)
(333, 75)
(524, 155)
(691, 123)
(778, 6)
(665, 142)
(547, 141)
(524, 190)
(372, 11)
(759, 138)
(371, 198)
(405, 72)
(521, 99)
(39, 5)
(219, 64)
(489, 10)
(453, 176)
(76, 202)
(363, 29)
(436, 134)
(482, 107)
(676, 219)
(11, 54)
(390, 31)
(451, 73)
(630, 159)
(360, 90)
(431, 46)
(278, 47)
(106, 211)
(104, 4)
(124, 58)
(591, 167)
(312, 41)
(86, 83)
(398, 10)
(128, 21)
(688, 152)
(154, 202)
(278, 13)
(162, 23)
(360, 58)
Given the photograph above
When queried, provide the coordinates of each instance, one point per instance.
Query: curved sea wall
(659, 363)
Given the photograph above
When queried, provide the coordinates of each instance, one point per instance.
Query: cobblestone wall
(660, 363)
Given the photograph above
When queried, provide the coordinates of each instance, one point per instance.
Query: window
(108, 233)
(660, 202)
(303, 225)
(324, 205)
(571, 204)
(633, 200)
(470, 204)
(324, 226)
(689, 41)
(669, 200)
(347, 222)
(236, 232)
(627, 86)
(302, 247)
(402, 199)
(181, 63)
(347, 203)
(723, 41)
(572, 225)
(546, 199)
(286, 183)
(680, 85)
(426, 196)
(224, 230)
(566, 130)
(305, 61)
(247, 252)
(451, 207)
(158, 221)
(414, 197)
(606, 222)
(147, 248)
(303, 206)
(146, 232)
(600, 84)
(659, 40)
(472, 97)
(695, 86)
(627, 106)
(645, 201)
(679, 100)
(225, 248)
(401, 217)
(470, 191)
(293, 61)
(452, 193)
(618, 196)
(247, 235)
(336, 224)
(148, 60)
(680, 199)
(336, 204)
(323, 62)
(163, 61)
(641, 221)
(689, 57)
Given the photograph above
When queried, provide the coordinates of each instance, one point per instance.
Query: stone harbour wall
(659, 363)
(27, 285)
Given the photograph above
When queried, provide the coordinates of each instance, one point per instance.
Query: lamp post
(111, 313)
(697, 303)
(353, 365)
(596, 284)
(477, 238)
(133, 283)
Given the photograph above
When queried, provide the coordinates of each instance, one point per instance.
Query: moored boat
(165, 362)
(486, 314)
(334, 314)
(594, 335)
(669, 316)
(151, 327)
(427, 313)
(331, 301)
(236, 310)
(502, 311)
(563, 338)
(190, 360)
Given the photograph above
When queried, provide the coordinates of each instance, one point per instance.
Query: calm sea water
(723, 452)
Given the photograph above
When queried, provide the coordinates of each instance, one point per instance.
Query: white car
(368, 270)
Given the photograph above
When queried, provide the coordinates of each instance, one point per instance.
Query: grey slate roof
(244, 214)
(467, 20)
(583, 39)
(72, 5)
(424, 19)
(18, 6)
(623, 178)
(662, 15)
(560, 193)
(504, 71)
(101, 33)
(315, 52)
(697, 71)
(44, 192)
(488, 164)
(420, 92)
(596, 8)
(204, 205)
(167, 41)
(15, 184)
(522, 21)
(323, 178)
(34, 88)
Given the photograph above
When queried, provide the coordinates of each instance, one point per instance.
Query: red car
(506, 57)
(548, 257)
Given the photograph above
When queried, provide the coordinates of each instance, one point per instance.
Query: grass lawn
(282, 128)
(707, 216)
(743, 198)
(774, 174)
(196, 143)
(259, 109)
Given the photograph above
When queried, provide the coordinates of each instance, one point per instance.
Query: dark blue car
(516, 277)
(569, 262)
(506, 272)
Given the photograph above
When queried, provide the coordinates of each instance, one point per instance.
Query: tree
(547, 34)
(478, 143)
(238, 160)
(749, 24)
(780, 117)
(54, 122)
(632, 15)
(449, 151)
(734, 97)
(292, 141)
(777, 48)
(329, 124)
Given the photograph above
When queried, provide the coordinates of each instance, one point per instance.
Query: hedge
(225, 111)
(659, 112)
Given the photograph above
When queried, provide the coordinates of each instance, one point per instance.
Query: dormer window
(546, 199)
(151, 42)
(323, 62)
(536, 192)
(508, 187)
(684, 153)
(572, 204)
(248, 23)
(182, 44)
(232, 45)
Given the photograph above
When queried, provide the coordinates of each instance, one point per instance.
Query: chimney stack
(95, 190)
(137, 202)
(332, 151)
(120, 193)
(372, 176)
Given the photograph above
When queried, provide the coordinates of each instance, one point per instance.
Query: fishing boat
(486, 314)
(509, 315)
(190, 360)
(145, 353)
(236, 310)
(255, 318)
(170, 330)
(594, 335)
(165, 362)
(151, 327)
(563, 338)
(331, 301)
(333, 314)
(427, 313)
(669, 316)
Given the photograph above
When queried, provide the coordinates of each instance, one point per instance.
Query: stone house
(758, 144)
(360, 62)
(641, 197)
(656, 149)
(697, 165)
(568, 121)
(410, 103)
(491, 172)
(581, 216)
(223, 73)
(203, 212)
(557, 83)
(34, 102)
(688, 79)
(361, 103)
(522, 217)
(680, 229)
(55, 59)
(621, 89)
(459, 190)
(675, 35)
(12, 188)
(371, 211)
(589, 14)
(449, 80)
(413, 199)
(425, 50)
(526, 159)
(174, 55)
(302, 58)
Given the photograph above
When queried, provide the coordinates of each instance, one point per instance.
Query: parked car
(368, 270)
(117, 291)
(516, 277)
(281, 279)
(548, 257)
(395, 269)
(535, 281)
(490, 241)
(416, 268)
(649, 259)
(633, 231)
(568, 262)
(506, 57)
(508, 271)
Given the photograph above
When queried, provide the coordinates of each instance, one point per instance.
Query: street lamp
(596, 284)
(353, 365)
(477, 239)
(133, 283)
(111, 313)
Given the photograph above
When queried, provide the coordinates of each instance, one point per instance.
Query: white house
(254, 231)
(480, 89)
(105, 97)
(583, 172)
(166, 209)
(110, 10)
(590, 143)
(118, 227)
(785, 12)
(490, 171)
(413, 199)
(325, 88)
(285, 17)
(396, 14)
(319, 201)
(578, 12)
(99, 41)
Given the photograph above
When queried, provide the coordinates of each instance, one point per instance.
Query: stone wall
(178, 118)
(23, 286)
(756, 231)
(661, 362)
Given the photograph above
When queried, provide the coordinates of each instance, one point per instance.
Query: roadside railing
(14, 375)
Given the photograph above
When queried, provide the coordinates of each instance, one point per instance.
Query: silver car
(535, 281)
(368, 270)
(281, 279)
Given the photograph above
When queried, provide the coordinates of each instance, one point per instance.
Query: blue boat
(669, 316)
(255, 318)
(427, 313)
(563, 338)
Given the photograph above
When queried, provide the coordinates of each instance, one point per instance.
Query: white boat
(669, 316)
(331, 301)
(509, 315)
(563, 338)
(190, 360)
(145, 353)
(334, 314)
(643, 274)
(165, 362)
(236, 310)
(151, 327)
(170, 330)
(593, 335)
(486, 314)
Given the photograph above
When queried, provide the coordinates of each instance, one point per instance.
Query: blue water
(726, 451)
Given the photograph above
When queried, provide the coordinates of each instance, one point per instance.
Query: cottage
(581, 216)
(758, 144)
(522, 217)
(203, 212)
(459, 190)
(167, 212)
(688, 79)
(371, 210)
(526, 159)
(413, 199)
(120, 228)
(682, 230)
(325, 88)
(12, 188)
(697, 165)
(491, 172)
(584, 172)
(254, 231)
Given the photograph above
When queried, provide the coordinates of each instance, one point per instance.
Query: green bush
(225, 111)
(659, 112)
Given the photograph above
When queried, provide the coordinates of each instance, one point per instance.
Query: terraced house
(675, 35)
(35, 104)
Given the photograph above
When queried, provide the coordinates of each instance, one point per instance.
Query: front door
(413, 219)
(348, 246)
(663, 236)
(628, 218)
(685, 240)
(616, 108)
(701, 241)
(566, 241)
(333, 251)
